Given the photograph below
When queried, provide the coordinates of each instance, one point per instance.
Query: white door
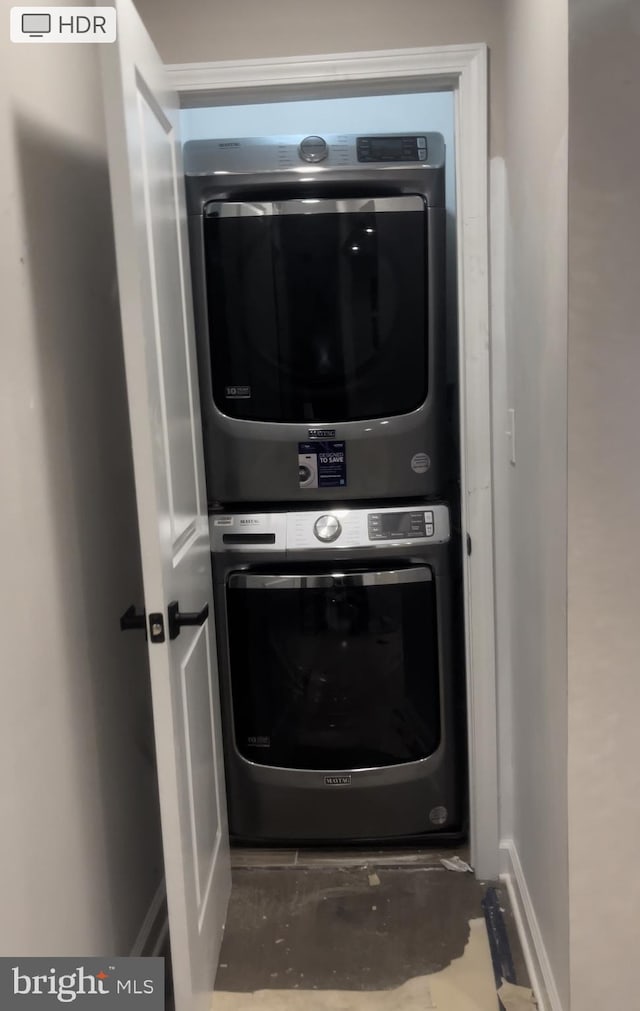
(147, 190)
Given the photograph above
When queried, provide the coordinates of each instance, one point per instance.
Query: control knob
(327, 528)
(313, 149)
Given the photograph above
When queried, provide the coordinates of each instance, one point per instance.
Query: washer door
(334, 670)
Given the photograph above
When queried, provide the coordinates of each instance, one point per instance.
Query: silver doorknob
(327, 528)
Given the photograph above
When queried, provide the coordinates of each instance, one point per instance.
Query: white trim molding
(462, 69)
(535, 954)
(233, 81)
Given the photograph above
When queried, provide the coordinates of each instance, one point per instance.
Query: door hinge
(156, 627)
(468, 544)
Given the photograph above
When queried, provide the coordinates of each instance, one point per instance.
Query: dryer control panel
(312, 153)
(323, 529)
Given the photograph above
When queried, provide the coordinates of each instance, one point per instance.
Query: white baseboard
(537, 961)
(155, 926)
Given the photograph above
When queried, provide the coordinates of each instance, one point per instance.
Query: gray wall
(604, 500)
(204, 30)
(79, 848)
(536, 342)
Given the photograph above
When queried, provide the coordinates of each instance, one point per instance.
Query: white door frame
(464, 70)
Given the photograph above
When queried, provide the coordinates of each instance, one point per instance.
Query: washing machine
(341, 681)
(319, 291)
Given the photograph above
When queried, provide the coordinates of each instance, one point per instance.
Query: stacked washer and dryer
(319, 285)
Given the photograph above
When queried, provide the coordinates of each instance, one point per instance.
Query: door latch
(130, 620)
(156, 627)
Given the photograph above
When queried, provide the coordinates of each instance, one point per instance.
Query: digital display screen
(392, 149)
(393, 526)
(397, 522)
(386, 148)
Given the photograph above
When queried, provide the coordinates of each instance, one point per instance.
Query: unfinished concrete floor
(348, 921)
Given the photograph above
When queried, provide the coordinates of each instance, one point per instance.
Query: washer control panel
(368, 528)
(330, 529)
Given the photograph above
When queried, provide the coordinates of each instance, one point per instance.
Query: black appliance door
(317, 308)
(334, 670)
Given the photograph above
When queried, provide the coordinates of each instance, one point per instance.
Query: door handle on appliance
(178, 618)
(130, 620)
(327, 580)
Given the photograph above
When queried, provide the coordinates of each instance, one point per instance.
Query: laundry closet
(296, 429)
(327, 369)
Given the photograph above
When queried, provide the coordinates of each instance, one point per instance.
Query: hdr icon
(80, 24)
(63, 24)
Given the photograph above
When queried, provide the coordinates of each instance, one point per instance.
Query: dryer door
(317, 308)
(334, 670)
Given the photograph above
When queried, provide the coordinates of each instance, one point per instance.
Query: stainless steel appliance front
(340, 680)
(318, 269)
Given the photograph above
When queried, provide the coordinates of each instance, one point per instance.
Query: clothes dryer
(319, 282)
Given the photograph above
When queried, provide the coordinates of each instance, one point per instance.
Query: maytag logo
(322, 433)
(337, 780)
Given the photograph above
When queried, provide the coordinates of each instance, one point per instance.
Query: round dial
(313, 149)
(327, 528)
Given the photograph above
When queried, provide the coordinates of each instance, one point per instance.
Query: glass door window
(334, 671)
(317, 308)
